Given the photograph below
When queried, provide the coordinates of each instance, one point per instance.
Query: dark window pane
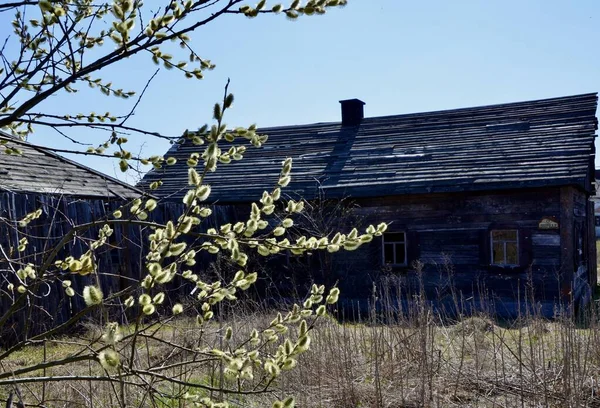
(512, 257)
(394, 248)
(505, 249)
(498, 253)
(400, 254)
(394, 237)
(388, 253)
(504, 235)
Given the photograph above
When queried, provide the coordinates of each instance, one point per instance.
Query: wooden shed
(493, 201)
(68, 194)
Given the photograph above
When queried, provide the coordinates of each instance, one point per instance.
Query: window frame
(517, 241)
(404, 243)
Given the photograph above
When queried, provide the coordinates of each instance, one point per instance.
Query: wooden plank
(566, 237)
(546, 240)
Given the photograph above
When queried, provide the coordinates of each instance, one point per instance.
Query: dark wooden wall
(118, 262)
(450, 235)
(447, 233)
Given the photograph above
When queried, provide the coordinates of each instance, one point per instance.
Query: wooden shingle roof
(38, 170)
(516, 145)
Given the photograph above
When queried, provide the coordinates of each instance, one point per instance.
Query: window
(394, 248)
(505, 247)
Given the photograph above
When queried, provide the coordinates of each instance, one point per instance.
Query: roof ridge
(591, 96)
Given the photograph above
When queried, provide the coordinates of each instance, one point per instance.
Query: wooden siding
(116, 263)
(120, 262)
(450, 235)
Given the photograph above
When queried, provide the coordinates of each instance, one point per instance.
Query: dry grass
(473, 363)
(408, 362)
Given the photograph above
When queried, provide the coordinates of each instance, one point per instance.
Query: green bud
(145, 299)
(333, 296)
(92, 295)
(109, 359)
(148, 309)
(129, 301)
(321, 310)
(177, 308)
(158, 298)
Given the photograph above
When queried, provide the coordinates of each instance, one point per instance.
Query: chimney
(352, 112)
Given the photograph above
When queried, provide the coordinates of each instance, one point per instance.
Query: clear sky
(398, 56)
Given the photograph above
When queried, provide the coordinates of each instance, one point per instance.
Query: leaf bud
(321, 310)
(109, 359)
(159, 298)
(129, 301)
(148, 309)
(177, 308)
(92, 295)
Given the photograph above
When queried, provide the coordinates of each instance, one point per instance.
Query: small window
(505, 247)
(394, 248)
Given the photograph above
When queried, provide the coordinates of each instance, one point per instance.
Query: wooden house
(68, 194)
(493, 201)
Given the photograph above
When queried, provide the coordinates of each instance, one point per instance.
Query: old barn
(69, 194)
(493, 201)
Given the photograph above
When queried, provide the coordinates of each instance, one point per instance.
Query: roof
(539, 143)
(39, 170)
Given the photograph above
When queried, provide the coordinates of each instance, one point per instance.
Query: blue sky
(398, 56)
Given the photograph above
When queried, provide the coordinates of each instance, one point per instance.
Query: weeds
(415, 359)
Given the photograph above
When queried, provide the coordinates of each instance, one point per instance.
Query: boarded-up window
(394, 248)
(505, 247)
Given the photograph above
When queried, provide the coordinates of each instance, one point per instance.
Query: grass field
(409, 362)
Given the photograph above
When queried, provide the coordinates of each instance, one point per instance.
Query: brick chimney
(352, 112)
